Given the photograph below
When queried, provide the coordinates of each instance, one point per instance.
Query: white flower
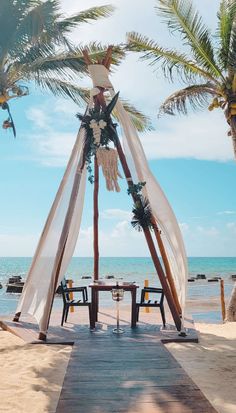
(93, 124)
(102, 124)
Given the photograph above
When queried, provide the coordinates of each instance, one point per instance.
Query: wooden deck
(129, 373)
(78, 326)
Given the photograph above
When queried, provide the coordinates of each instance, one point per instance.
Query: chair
(152, 303)
(67, 302)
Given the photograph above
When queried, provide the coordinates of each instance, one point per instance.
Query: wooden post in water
(222, 299)
(71, 295)
(146, 296)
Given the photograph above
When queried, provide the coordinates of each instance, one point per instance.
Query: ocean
(130, 269)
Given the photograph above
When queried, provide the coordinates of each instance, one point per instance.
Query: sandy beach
(212, 363)
(35, 373)
(31, 375)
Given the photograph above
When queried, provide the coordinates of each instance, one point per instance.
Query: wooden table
(96, 287)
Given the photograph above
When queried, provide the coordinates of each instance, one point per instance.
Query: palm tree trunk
(231, 309)
(233, 133)
(234, 143)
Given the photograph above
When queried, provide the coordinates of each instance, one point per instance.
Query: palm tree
(208, 66)
(34, 47)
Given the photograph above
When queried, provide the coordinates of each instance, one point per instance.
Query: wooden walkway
(131, 373)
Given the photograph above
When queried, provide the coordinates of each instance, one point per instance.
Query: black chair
(67, 302)
(152, 303)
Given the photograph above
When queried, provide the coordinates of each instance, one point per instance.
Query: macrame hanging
(108, 160)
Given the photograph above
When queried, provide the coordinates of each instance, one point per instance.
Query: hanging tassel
(108, 160)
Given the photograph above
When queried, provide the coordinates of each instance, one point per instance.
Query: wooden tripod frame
(166, 278)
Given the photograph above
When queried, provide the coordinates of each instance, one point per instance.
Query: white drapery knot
(100, 76)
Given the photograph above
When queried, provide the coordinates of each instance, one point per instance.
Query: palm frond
(9, 18)
(65, 64)
(64, 89)
(85, 16)
(171, 60)
(36, 24)
(181, 16)
(226, 32)
(196, 95)
(141, 122)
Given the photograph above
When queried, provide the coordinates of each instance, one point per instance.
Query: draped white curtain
(57, 242)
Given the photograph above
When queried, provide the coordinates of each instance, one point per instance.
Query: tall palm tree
(208, 66)
(35, 47)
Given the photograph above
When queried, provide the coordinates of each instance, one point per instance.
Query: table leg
(93, 308)
(133, 309)
(96, 304)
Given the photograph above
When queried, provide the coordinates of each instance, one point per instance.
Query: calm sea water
(128, 269)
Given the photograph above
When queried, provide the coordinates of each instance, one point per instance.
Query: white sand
(31, 376)
(212, 363)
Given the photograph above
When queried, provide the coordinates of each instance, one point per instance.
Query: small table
(96, 287)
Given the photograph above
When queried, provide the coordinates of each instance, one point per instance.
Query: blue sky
(190, 156)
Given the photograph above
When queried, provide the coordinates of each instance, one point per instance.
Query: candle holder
(117, 295)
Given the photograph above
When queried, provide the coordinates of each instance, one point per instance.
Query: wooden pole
(95, 220)
(146, 296)
(222, 297)
(71, 295)
(167, 268)
(161, 274)
(151, 245)
(62, 245)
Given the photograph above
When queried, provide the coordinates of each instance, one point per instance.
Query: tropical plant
(208, 66)
(35, 47)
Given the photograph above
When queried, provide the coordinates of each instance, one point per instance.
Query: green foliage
(108, 131)
(135, 189)
(35, 47)
(142, 215)
(207, 65)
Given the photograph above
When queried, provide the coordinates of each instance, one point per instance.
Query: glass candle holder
(117, 295)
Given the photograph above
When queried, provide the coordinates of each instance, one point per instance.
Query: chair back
(152, 290)
(64, 293)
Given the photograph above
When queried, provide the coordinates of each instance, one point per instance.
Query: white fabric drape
(57, 242)
(161, 209)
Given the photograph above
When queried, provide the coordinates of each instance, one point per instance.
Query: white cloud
(210, 232)
(50, 141)
(116, 214)
(226, 213)
(202, 136)
(39, 118)
(18, 245)
(53, 149)
(183, 226)
(231, 226)
(122, 240)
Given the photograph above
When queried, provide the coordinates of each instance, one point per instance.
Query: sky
(191, 157)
